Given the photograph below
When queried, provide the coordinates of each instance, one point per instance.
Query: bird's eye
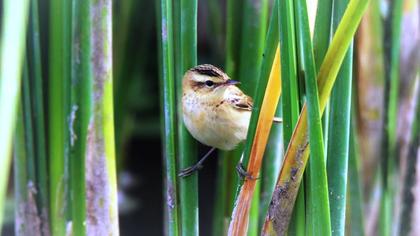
(209, 83)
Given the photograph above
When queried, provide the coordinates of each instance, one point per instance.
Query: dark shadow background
(146, 165)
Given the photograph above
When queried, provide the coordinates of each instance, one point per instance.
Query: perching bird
(215, 111)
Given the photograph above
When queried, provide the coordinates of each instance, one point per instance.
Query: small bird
(215, 111)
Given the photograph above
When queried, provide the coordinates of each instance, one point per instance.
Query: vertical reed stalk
(321, 40)
(187, 54)
(290, 98)
(322, 31)
(168, 101)
(21, 179)
(101, 179)
(354, 212)
(13, 35)
(81, 111)
(338, 147)
(253, 33)
(59, 108)
(37, 99)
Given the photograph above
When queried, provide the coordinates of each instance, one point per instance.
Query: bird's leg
(243, 174)
(190, 170)
(277, 120)
(240, 168)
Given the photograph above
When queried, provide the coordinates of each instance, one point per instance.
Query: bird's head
(205, 80)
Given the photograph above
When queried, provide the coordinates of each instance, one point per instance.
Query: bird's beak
(232, 82)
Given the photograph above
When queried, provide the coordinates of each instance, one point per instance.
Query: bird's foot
(243, 174)
(189, 171)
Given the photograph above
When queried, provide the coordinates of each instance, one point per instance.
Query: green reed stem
(168, 101)
(354, 212)
(187, 146)
(338, 147)
(59, 108)
(13, 35)
(100, 162)
(81, 111)
(37, 99)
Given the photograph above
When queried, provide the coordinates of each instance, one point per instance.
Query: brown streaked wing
(240, 101)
